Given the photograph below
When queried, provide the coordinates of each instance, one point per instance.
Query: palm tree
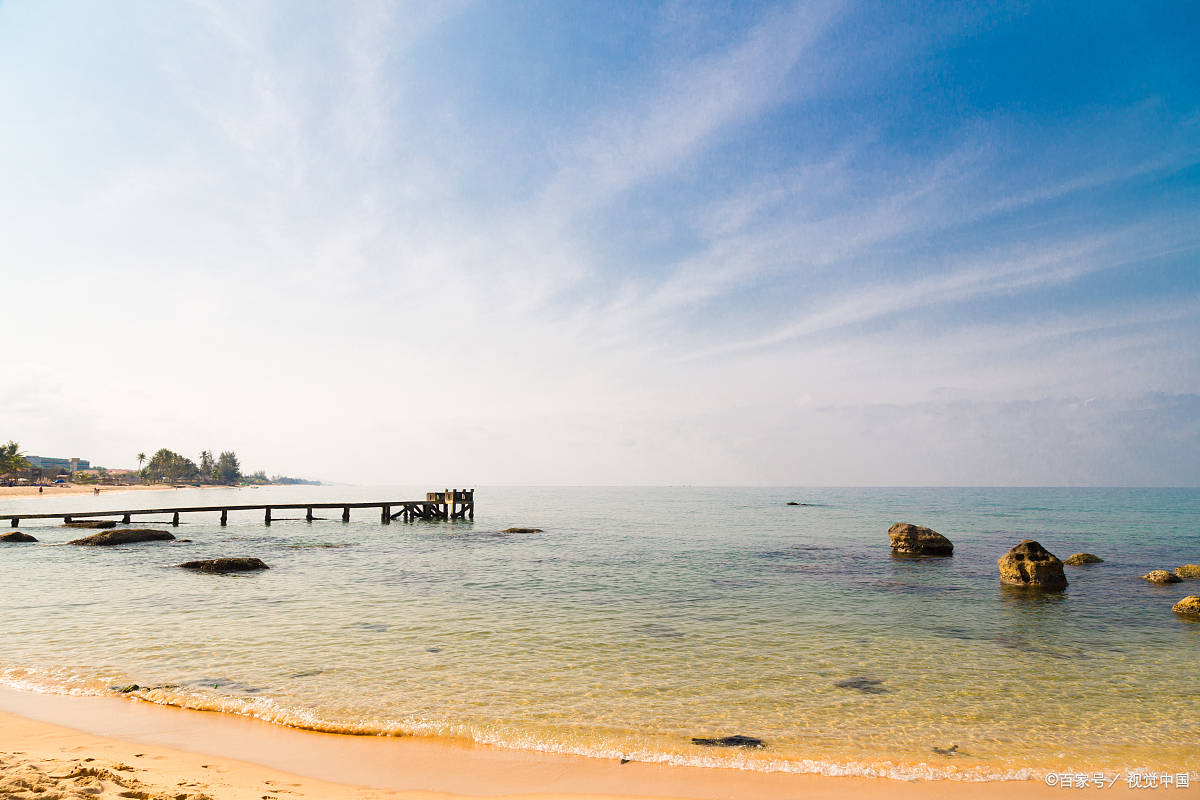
(141, 459)
(11, 458)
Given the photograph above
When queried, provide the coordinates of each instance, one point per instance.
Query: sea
(640, 618)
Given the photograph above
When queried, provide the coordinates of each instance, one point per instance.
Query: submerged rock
(225, 565)
(1079, 559)
(917, 541)
(1188, 607)
(730, 741)
(1188, 571)
(862, 684)
(522, 530)
(794, 503)
(91, 523)
(946, 751)
(124, 536)
(1030, 565)
(17, 536)
(1160, 577)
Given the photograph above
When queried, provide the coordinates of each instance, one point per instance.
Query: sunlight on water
(640, 618)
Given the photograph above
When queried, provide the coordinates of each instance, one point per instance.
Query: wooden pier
(446, 505)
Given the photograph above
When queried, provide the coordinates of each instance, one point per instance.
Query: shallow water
(642, 617)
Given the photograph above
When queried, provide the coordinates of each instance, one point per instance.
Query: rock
(1188, 607)
(730, 741)
(521, 530)
(1188, 571)
(133, 687)
(1030, 565)
(863, 684)
(91, 523)
(124, 536)
(225, 565)
(1079, 559)
(946, 751)
(17, 536)
(1160, 577)
(794, 503)
(917, 541)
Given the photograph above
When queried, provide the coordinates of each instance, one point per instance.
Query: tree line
(167, 466)
(171, 467)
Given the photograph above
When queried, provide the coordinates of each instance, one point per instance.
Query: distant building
(69, 464)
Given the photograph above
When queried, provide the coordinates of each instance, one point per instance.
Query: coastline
(169, 750)
(79, 488)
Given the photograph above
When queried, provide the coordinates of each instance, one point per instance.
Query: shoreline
(222, 755)
(86, 489)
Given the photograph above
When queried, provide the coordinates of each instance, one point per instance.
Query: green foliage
(284, 480)
(258, 478)
(171, 467)
(227, 469)
(11, 458)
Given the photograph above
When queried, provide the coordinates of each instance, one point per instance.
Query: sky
(473, 243)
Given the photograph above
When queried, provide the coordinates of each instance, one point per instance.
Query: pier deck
(448, 504)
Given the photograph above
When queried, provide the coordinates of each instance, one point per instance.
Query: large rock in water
(1031, 565)
(1188, 607)
(1161, 577)
(225, 565)
(914, 540)
(1079, 559)
(123, 536)
(1188, 571)
(91, 523)
(17, 536)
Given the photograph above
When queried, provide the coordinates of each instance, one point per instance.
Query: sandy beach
(56, 490)
(59, 746)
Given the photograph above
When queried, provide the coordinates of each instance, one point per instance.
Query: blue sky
(730, 243)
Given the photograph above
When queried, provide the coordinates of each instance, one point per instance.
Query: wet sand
(110, 747)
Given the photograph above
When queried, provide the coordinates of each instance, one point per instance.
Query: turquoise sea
(641, 617)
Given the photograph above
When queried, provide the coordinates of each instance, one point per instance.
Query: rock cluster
(1080, 559)
(17, 536)
(1030, 565)
(1160, 577)
(917, 541)
(123, 536)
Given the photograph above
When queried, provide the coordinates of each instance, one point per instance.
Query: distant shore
(54, 490)
(65, 745)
